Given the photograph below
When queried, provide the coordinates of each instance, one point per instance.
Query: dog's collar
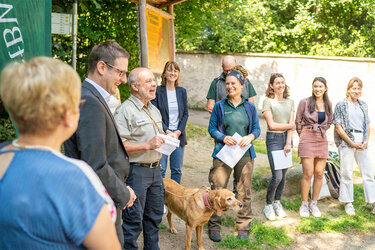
(205, 200)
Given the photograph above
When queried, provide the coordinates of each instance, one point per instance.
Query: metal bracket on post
(74, 35)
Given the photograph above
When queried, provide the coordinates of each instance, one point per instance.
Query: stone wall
(198, 69)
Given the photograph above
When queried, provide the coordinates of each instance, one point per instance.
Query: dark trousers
(118, 224)
(275, 141)
(147, 210)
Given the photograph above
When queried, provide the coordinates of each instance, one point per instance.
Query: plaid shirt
(341, 117)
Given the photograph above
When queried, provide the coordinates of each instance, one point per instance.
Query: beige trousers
(243, 173)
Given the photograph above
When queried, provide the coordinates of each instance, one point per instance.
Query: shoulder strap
(156, 124)
(5, 160)
(144, 110)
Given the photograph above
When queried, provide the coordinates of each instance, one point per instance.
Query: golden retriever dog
(195, 206)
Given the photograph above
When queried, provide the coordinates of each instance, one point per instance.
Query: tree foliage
(98, 21)
(310, 27)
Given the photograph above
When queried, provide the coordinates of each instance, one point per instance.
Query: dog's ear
(217, 206)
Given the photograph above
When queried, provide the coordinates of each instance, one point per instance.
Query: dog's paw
(173, 230)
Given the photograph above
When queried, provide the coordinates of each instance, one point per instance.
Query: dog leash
(183, 196)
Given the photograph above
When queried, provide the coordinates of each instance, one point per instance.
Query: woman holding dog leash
(278, 110)
(234, 114)
(314, 116)
(352, 132)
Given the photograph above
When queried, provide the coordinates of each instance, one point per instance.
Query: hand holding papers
(281, 161)
(169, 145)
(230, 155)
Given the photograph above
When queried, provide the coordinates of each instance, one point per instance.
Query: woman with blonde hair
(278, 110)
(48, 200)
(352, 132)
(314, 117)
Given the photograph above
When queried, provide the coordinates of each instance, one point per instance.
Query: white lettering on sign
(19, 52)
(12, 32)
(11, 36)
(7, 20)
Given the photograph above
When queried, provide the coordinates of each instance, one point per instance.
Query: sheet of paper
(358, 137)
(169, 145)
(230, 155)
(280, 160)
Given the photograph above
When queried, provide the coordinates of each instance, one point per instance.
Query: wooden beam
(171, 2)
(162, 5)
(172, 34)
(143, 33)
(159, 11)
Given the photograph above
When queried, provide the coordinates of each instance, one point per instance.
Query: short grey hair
(133, 77)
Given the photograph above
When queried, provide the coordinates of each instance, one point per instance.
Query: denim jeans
(363, 159)
(275, 141)
(176, 162)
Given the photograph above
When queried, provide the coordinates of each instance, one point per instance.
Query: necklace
(14, 143)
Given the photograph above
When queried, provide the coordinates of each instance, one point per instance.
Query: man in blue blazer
(97, 140)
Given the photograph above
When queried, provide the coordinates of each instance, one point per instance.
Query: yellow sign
(159, 44)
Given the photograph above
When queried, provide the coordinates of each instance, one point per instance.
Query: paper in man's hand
(169, 145)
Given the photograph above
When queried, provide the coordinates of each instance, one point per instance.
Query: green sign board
(25, 30)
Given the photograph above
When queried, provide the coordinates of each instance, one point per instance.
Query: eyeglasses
(122, 72)
(81, 103)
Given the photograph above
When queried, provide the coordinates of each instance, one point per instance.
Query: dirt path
(197, 162)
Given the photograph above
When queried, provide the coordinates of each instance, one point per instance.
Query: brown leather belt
(147, 165)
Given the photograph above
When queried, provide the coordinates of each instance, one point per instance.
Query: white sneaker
(304, 209)
(269, 212)
(314, 209)
(279, 209)
(349, 209)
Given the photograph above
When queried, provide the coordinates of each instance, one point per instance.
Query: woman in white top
(352, 132)
(278, 110)
(171, 100)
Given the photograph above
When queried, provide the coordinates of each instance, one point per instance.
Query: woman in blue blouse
(352, 132)
(48, 201)
(171, 100)
(233, 115)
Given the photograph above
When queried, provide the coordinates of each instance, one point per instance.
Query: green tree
(311, 27)
(99, 21)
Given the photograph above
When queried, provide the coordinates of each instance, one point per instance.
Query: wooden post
(172, 34)
(143, 32)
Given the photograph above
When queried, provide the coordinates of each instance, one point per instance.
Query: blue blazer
(161, 102)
